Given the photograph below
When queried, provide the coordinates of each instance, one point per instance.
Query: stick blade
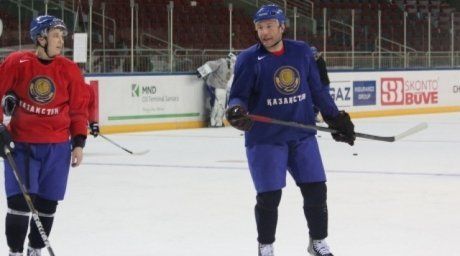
(140, 153)
(413, 130)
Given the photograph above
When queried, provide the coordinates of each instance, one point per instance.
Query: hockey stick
(28, 199)
(404, 134)
(125, 149)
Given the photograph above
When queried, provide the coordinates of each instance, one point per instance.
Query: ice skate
(15, 254)
(33, 252)
(266, 250)
(319, 248)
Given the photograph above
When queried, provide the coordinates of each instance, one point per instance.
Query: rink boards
(142, 102)
(370, 94)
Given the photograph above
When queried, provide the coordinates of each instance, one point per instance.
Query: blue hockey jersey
(281, 87)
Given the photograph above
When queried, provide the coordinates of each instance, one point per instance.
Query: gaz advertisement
(396, 90)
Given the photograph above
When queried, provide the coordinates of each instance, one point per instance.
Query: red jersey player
(48, 128)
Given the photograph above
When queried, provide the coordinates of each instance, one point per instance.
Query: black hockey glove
(94, 129)
(198, 74)
(5, 140)
(238, 117)
(342, 123)
(9, 102)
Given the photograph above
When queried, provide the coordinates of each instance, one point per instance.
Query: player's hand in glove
(9, 102)
(198, 74)
(342, 123)
(5, 140)
(94, 129)
(238, 117)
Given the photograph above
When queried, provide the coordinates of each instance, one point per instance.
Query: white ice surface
(192, 195)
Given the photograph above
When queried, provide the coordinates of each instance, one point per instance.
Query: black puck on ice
(355, 154)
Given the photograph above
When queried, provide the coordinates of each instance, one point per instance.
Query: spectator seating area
(392, 24)
(11, 30)
(203, 24)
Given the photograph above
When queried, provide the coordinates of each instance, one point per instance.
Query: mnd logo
(135, 90)
(150, 94)
(139, 90)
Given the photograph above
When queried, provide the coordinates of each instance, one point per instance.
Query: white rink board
(125, 100)
(370, 91)
(147, 99)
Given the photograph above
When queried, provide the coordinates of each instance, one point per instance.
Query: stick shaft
(412, 130)
(116, 144)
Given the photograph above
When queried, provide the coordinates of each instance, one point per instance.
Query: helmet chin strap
(45, 47)
(275, 44)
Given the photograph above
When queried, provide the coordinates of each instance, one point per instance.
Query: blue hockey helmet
(270, 11)
(42, 24)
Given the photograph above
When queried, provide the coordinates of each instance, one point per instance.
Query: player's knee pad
(17, 203)
(45, 206)
(269, 200)
(314, 194)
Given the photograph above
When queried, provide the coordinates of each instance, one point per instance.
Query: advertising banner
(149, 102)
(396, 90)
(154, 99)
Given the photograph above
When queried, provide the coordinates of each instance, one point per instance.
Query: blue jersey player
(279, 79)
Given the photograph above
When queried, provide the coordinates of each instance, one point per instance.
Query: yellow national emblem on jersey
(42, 90)
(287, 80)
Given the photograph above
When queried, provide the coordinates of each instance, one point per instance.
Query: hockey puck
(355, 154)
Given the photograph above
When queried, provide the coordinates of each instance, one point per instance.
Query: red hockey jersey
(53, 98)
